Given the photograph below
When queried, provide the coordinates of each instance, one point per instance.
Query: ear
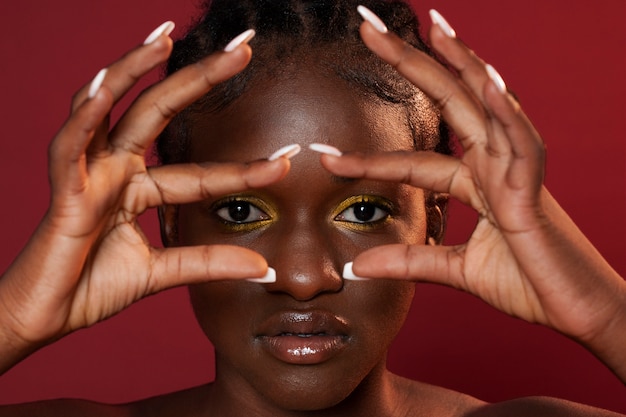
(436, 210)
(168, 221)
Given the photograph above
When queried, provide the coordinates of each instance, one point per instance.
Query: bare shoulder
(430, 400)
(64, 408)
(539, 406)
(182, 403)
(425, 399)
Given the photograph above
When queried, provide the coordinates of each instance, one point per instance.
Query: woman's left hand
(525, 257)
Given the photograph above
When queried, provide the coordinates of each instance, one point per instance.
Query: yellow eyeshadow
(379, 202)
(270, 211)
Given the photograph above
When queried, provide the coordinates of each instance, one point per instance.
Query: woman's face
(309, 339)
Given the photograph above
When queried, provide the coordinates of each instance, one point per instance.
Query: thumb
(174, 267)
(434, 264)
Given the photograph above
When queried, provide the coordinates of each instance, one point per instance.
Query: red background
(566, 61)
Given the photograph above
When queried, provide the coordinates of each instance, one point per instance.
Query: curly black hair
(323, 33)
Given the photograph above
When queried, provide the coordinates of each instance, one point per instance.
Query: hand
(88, 258)
(525, 256)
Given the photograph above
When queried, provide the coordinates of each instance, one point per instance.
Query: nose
(305, 261)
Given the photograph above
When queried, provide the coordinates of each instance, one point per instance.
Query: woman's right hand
(88, 259)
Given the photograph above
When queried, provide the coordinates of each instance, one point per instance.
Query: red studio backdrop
(564, 58)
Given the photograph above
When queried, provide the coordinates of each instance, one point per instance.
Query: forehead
(303, 108)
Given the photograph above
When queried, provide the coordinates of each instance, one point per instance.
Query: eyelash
(382, 213)
(264, 214)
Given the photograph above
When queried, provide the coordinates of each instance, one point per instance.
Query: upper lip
(304, 323)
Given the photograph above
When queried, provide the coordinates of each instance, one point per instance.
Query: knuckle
(77, 99)
(166, 111)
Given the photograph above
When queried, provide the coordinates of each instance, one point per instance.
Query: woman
(412, 237)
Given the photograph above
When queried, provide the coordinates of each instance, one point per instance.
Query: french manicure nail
(439, 20)
(96, 83)
(269, 278)
(165, 28)
(349, 275)
(323, 148)
(244, 37)
(496, 78)
(369, 15)
(288, 152)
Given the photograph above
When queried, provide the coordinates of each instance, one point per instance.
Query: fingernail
(323, 148)
(96, 83)
(349, 275)
(496, 78)
(369, 15)
(241, 38)
(269, 278)
(439, 20)
(165, 28)
(288, 152)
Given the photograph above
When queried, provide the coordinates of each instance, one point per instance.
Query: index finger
(424, 169)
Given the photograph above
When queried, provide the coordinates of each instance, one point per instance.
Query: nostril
(303, 286)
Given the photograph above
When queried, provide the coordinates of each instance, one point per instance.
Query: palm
(114, 277)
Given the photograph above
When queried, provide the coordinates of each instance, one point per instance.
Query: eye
(364, 209)
(240, 211)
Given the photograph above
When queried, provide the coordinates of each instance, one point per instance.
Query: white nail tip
(349, 275)
(269, 278)
(496, 78)
(439, 20)
(244, 37)
(164, 28)
(288, 152)
(96, 83)
(368, 15)
(323, 148)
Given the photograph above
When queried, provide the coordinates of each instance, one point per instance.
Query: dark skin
(306, 241)
(82, 226)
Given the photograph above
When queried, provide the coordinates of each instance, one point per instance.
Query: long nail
(323, 148)
(371, 17)
(288, 152)
(96, 83)
(269, 278)
(349, 275)
(244, 37)
(439, 20)
(165, 28)
(496, 78)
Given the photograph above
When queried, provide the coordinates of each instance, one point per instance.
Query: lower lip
(304, 350)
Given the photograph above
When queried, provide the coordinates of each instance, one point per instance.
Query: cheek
(222, 310)
(383, 307)
(412, 222)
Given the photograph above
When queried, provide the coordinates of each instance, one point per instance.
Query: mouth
(307, 338)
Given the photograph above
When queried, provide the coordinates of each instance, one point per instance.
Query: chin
(308, 391)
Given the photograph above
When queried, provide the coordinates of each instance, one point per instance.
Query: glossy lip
(304, 338)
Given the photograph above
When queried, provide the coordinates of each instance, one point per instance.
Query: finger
(173, 267)
(458, 107)
(186, 183)
(527, 162)
(423, 169)
(425, 263)
(469, 66)
(123, 74)
(67, 150)
(478, 76)
(156, 107)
